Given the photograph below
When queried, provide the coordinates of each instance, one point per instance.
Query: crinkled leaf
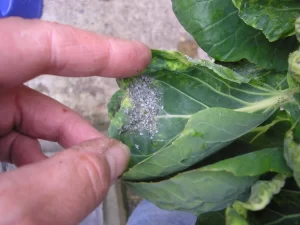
(294, 65)
(177, 62)
(292, 154)
(115, 103)
(276, 18)
(291, 81)
(234, 218)
(293, 107)
(283, 210)
(297, 28)
(212, 187)
(262, 193)
(294, 61)
(220, 32)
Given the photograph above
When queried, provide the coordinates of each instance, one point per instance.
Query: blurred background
(152, 22)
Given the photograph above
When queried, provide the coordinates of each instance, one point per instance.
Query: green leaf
(205, 133)
(220, 32)
(233, 218)
(294, 65)
(177, 62)
(291, 81)
(277, 80)
(249, 70)
(271, 133)
(115, 103)
(292, 154)
(294, 61)
(262, 193)
(293, 107)
(200, 108)
(212, 187)
(276, 18)
(195, 192)
(283, 210)
(260, 161)
(297, 28)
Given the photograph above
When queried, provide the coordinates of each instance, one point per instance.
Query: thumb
(63, 189)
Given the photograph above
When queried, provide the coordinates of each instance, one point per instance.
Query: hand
(63, 189)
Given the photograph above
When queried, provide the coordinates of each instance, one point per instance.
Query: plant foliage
(220, 138)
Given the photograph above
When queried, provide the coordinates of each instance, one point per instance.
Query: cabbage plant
(219, 138)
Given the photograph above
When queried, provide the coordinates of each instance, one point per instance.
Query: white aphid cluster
(145, 106)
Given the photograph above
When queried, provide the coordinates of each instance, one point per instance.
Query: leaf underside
(213, 187)
(203, 110)
(195, 116)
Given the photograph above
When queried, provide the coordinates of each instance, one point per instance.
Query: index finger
(33, 47)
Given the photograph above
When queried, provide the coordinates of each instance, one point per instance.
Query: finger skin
(63, 189)
(33, 47)
(38, 116)
(20, 149)
(66, 188)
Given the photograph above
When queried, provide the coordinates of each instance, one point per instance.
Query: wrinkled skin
(63, 189)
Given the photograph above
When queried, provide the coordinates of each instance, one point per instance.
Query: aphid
(145, 106)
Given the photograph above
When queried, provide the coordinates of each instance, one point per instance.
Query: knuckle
(107, 57)
(59, 39)
(93, 171)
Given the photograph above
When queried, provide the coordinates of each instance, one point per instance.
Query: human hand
(63, 189)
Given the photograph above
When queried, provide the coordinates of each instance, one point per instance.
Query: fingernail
(117, 157)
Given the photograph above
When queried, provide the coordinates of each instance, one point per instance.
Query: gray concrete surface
(114, 206)
(152, 22)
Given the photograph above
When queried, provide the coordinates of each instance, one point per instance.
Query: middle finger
(38, 116)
